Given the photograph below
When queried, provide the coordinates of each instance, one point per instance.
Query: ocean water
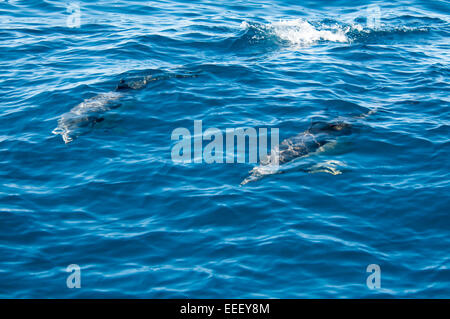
(87, 175)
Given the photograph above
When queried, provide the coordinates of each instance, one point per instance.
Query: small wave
(331, 167)
(357, 33)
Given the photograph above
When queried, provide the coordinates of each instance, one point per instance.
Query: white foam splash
(301, 32)
(245, 25)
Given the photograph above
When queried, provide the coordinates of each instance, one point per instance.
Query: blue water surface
(140, 225)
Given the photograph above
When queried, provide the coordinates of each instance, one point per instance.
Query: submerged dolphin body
(301, 145)
(90, 112)
(85, 115)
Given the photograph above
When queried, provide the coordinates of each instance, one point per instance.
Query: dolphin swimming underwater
(311, 141)
(90, 112)
(85, 115)
(314, 140)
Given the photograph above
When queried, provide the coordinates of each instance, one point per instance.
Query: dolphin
(90, 112)
(301, 145)
(85, 115)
